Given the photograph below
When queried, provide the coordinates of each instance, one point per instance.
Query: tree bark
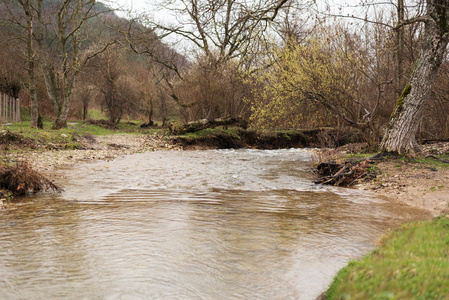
(400, 136)
(31, 61)
(60, 93)
(400, 44)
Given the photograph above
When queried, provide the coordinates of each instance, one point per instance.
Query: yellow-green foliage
(305, 81)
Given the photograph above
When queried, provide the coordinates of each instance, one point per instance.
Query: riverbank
(414, 183)
(420, 183)
(411, 263)
(105, 147)
(84, 141)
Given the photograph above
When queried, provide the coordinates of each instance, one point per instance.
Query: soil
(311, 138)
(415, 184)
(412, 184)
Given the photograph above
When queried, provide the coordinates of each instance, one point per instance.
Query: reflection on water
(188, 225)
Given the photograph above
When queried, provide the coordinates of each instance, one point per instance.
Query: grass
(411, 263)
(68, 136)
(433, 162)
(75, 126)
(96, 114)
(419, 161)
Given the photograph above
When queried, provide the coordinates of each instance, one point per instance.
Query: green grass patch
(96, 114)
(431, 162)
(411, 263)
(48, 134)
(67, 137)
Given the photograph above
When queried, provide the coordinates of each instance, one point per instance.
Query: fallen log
(206, 123)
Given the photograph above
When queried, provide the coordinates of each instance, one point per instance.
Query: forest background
(275, 64)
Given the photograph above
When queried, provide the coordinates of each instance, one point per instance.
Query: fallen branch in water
(345, 174)
(21, 178)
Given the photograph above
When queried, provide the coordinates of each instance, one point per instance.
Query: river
(218, 224)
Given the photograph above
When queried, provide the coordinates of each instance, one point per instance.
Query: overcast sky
(137, 6)
(131, 4)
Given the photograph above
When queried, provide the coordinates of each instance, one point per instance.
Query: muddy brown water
(228, 224)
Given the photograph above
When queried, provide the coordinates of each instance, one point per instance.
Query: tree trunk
(400, 44)
(61, 120)
(85, 108)
(31, 66)
(60, 99)
(33, 100)
(404, 122)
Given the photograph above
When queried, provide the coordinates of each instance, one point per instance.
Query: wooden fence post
(2, 107)
(18, 110)
(9, 109)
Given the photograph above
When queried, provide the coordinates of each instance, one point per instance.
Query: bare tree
(148, 95)
(223, 30)
(85, 93)
(116, 83)
(62, 55)
(224, 34)
(404, 123)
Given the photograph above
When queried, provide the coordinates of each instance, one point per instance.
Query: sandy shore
(417, 186)
(413, 183)
(409, 183)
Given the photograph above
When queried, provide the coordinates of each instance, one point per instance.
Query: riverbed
(217, 224)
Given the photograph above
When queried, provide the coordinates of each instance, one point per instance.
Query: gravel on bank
(94, 148)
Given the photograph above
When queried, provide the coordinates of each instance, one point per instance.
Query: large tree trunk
(61, 119)
(400, 136)
(60, 93)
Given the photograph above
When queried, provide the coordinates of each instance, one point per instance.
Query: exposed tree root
(438, 159)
